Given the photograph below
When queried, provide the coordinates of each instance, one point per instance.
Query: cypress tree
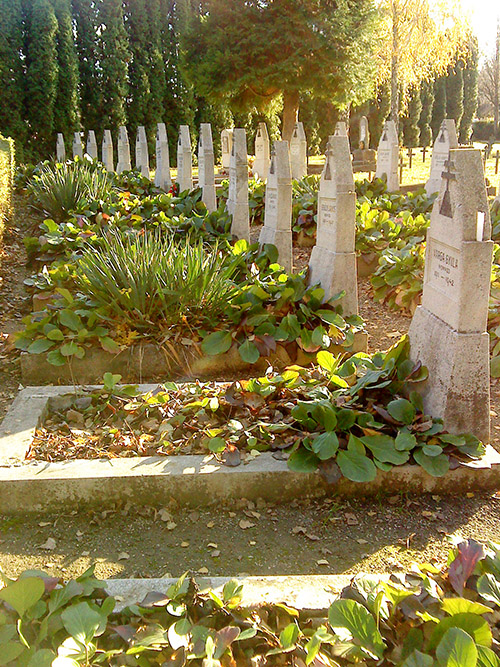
(379, 111)
(66, 107)
(11, 72)
(86, 41)
(424, 122)
(113, 56)
(156, 68)
(138, 69)
(439, 106)
(411, 130)
(470, 77)
(455, 93)
(41, 77)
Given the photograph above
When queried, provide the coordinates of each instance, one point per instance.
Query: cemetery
(249, 336)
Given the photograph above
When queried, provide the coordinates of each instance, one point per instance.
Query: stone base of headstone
(452, 359)
(282, 239)
(336, 272)
(364, 160)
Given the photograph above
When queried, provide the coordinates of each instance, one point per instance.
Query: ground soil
(332, 536)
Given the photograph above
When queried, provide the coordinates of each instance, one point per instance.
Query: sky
(484, 15)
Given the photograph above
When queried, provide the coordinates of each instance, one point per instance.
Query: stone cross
(107, 151)
(446, 139)
(388, 156)
(448, 331)
(60, 148)
(226, 140)
(262, 160)
(206, 167)
(141, 152)
(163, 179)
(237, 201)
(298, 152)
(364, 133)
(184, 160)
(77, 145)
(333, 258)
(123, 151)
(91, 145)
(277, 227)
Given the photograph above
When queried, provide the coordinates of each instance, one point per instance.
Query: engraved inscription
(444, 268)
(328, 209)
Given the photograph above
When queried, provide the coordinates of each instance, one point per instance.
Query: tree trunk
(395, 68)
(496, 75)
(290, 113)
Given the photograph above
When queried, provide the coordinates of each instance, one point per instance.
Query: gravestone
(163, 179)
(448, 331)
(364, 134)
(298, 152)
(262, 159)
(333, 258)
(388, 156)
(237, 201)
(107, 151)
(206, 167)
(123, 151)
(91, 145)
(141, 152)
(446, 139)
(60, 148)
(184, 160)
(77, 145)
(226, 140)
(277, 227)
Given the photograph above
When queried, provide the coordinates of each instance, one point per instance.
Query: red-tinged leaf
(155, 599)
(231, 457)
(265, 344)
(384, 414)
(469, 553)
(50, 583)
(177, 659)
(224, 638)
(330, 471)
(126, 632)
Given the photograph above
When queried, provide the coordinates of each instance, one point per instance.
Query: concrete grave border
(192, 480)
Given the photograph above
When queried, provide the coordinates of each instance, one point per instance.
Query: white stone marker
(298, 152)
(123, 151)
(107, 151)
(388, 156)
(277, 227)
(226, 141)
(448, 331)
(184, 160)
(237, 201)
(141, 151)
(262, 159)
(333, 258)
(446, 139)
(60, 148)
(163, 179)
(91, 148)
(206, 167)
(364, 133)
(77, 145)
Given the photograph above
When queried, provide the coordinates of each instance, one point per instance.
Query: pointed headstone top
(337, 173)
(389, 134)
(161, 132)
(340, 129)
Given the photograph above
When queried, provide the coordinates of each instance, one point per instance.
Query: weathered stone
(277, 227)
(237, 202)
(388, 156)
(206, 167)
(184, 160)
(333, 258)
(124, 163)
(298, 152)
(262, 154)
(448, 331)
(107, 151)
(141, 152)
(163, 179)
(446, 139)
(91, 149)
(60, 148)
(226, 140)
(364, 134)
(77, 145)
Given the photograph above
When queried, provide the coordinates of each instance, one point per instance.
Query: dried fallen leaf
(313, 538)
(184, 545)
(210, 524)
(360, 540)
(298, 530)
(203, 570)
(244, 524)
(322, 561)
(171, 525)
(215, 553)
(212, 545)
(351, 519)
(123, 556)
(49, 545)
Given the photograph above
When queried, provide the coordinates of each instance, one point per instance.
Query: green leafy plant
(398, 279)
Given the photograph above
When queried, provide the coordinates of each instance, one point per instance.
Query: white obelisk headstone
(124, 163)
(364, 133)
(163, 179)
(184, 160)
(388, 156)
(107, 151)
(206, 167)
(226, 140)
(141, 152)
(237, 202)
(77, 145)
(60, 148)
(448, 332)
(333, 258)
(446, 139)
(262, 159)
(91, 149)
(277, 227)
(298, 152)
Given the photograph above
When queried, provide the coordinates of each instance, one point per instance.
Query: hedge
(6, 180)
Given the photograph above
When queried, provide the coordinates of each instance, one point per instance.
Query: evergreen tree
(411, 129)
(41, 77)
(439, 106)
(66, 107)
(86, 40)
(379, 111)
(113, 56)
(138, 68)
(156, 68)
(424, 123)
(11, 72)
(455, 93)
(470, 98)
